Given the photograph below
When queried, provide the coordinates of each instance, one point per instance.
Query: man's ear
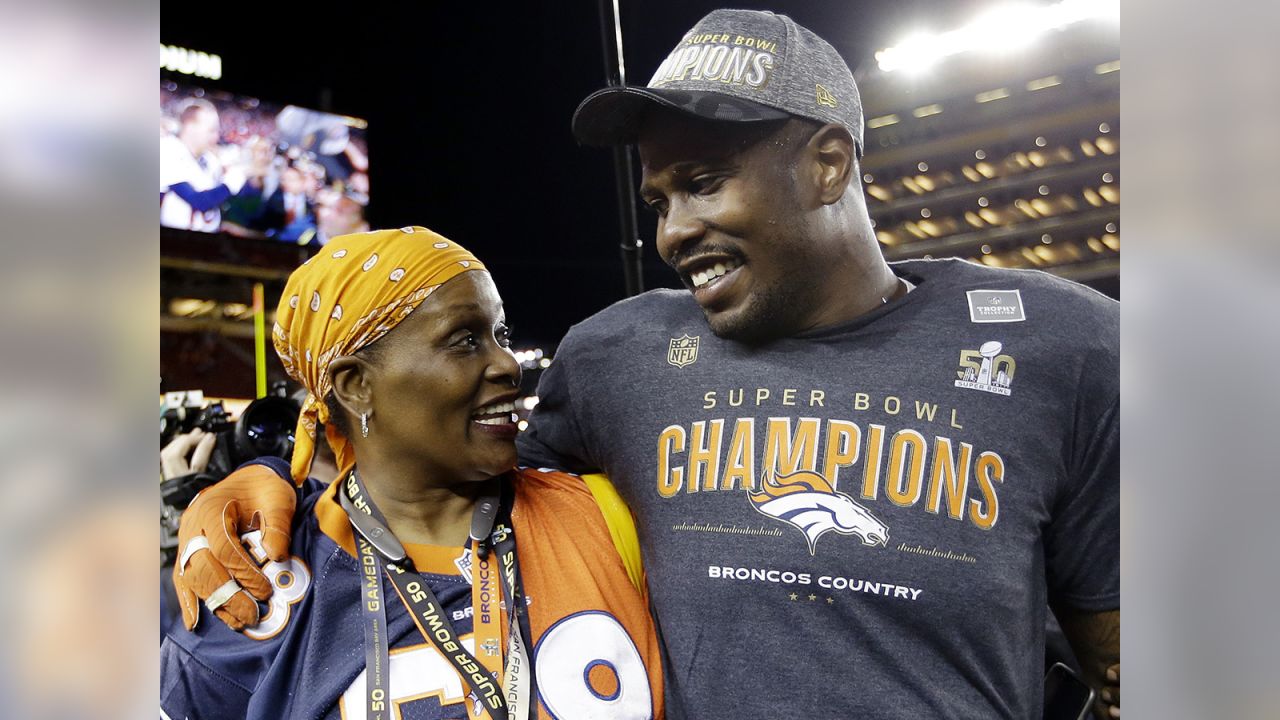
(351, 384)
(834, 158)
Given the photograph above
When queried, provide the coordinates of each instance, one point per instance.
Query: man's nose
(679, 229)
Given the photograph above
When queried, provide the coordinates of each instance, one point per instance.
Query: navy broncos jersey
(594, 646)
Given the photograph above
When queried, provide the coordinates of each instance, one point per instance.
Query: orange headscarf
(354, 291)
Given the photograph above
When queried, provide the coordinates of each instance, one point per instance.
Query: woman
(397, 595)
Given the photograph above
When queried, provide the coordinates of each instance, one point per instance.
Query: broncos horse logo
(805, 499)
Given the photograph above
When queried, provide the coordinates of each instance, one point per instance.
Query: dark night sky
(469, 106)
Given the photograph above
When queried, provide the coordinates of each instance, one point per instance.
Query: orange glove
(213, 564)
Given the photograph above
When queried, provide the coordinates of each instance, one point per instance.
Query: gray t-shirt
(863, 521)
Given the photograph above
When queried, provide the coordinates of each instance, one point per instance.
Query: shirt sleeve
(174, 167)
(554, 438)
(201, 200)
(1082, 543)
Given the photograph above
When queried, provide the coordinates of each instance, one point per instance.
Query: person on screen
(193, 182)
(289, 212)
(338, 214)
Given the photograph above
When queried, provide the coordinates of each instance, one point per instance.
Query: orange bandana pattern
(352, 292)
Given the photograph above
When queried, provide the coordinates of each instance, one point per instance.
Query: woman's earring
(364, 424)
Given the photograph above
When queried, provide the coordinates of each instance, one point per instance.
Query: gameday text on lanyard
(379, 548)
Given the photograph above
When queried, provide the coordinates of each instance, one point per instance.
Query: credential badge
(683, 351)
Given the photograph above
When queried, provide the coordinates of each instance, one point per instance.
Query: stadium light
(1001, 29)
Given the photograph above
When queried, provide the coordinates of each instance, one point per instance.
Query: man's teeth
(719, 270)
(496, 414)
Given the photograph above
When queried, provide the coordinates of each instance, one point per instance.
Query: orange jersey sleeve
(594, 639)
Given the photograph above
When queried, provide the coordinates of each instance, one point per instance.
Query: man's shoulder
(648, 311)
(1041, 296)
(170, 144)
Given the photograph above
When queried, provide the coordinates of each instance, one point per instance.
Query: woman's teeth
(496, 414)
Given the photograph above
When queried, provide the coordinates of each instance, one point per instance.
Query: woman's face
(444, 384)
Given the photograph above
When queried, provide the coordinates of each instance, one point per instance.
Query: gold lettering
(709, 400)
(670, 478)
(788, 397)
(926, 411)
(861, 401)
(816, 397)
(740, 472)
(989, 469)
(762, 394)
(785, 454)
(871, 470)
(704, 455)
(843, 439)
(906, 467)
(950, 474)
(954, 423)
(897, 405)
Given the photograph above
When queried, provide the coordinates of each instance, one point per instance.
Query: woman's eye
(469, 340)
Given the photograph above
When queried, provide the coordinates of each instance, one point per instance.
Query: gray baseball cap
(733, 66)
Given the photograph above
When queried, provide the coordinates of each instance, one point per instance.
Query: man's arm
(555, 438)
(1095, 638)
(213, 566)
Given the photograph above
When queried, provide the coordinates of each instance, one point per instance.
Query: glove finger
(204, 575)
(186, 601)
(239, 612)
(276, 543)
(232, 557)
(275, 518)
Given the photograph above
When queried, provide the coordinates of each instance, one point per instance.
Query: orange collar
(334, 522)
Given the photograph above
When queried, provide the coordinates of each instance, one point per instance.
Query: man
(193, 183)
(338, 213)
(858, 486)
(289, 216)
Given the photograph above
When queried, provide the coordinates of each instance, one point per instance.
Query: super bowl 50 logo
(986, 369)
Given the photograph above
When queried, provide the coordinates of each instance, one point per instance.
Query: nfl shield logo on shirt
(683, 351)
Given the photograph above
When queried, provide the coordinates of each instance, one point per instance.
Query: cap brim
(613, 116)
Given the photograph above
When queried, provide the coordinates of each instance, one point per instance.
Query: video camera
(266, 427)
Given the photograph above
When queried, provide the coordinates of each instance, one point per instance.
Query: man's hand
(213, 564)
(1110, 694)
(187, 453)
(1095, 638)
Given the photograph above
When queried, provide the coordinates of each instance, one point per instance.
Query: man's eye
(658, 207)
(704, 184)
(504, 336)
